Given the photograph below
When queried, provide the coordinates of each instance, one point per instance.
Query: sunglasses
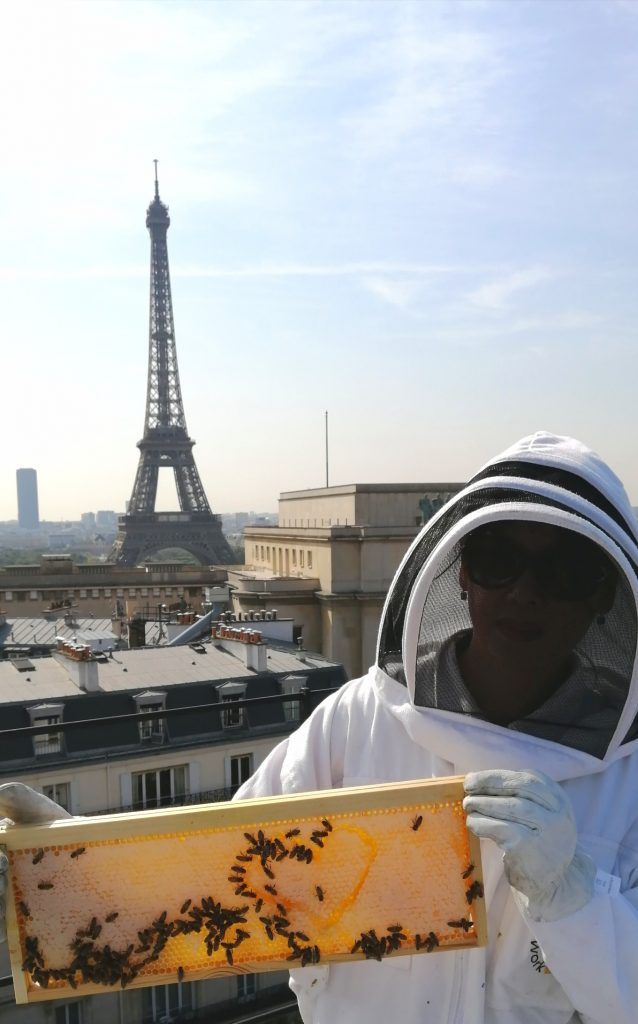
(570, 570)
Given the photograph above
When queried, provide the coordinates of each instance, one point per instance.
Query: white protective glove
(21, 805)
(530, 817)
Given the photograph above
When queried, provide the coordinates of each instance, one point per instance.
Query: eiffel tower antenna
(166, 444)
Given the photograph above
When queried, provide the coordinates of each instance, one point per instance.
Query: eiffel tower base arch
(199, 533)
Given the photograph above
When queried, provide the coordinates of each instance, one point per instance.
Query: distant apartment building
(329, 562)
(28, 513)
(103, 765)
(103, 590)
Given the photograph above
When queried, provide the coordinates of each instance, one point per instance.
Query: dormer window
(47, 743)
(152, 730)
(292, 685)
(229, 694)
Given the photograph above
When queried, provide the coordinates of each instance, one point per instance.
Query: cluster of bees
(222, 926)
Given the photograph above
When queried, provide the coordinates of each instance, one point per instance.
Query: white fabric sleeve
(593, 955)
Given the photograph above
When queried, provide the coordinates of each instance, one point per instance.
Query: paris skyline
(420, 217)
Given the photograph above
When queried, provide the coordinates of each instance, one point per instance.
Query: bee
(24, 909)
(258, 905)
(244, 857)
(112, 917)
(271, 889)
(38, 857)
(319, 893)
(326, 824)
(417, 822)
(461, 923)
(78, 853)
(307, 856)
(428, 943)
(251, 839)
(249, 894)
(45, 885)
(314, 838)
(184, 907)
(229, 956)
(475, 891)
(302, 936)
(468, 871)
(180, 973)
(293, 832)
(268, 872)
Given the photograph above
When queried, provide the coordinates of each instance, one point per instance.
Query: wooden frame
(281, 882)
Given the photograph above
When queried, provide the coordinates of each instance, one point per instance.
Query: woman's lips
(515, 629)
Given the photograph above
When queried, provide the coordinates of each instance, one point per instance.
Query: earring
(464, 595)
(601, 620)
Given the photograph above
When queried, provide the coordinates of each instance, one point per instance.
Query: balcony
(209, 796)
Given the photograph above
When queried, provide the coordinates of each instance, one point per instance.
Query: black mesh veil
(585, 712)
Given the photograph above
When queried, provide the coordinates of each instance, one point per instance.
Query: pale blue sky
(419, 216)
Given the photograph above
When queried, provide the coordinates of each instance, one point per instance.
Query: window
(164, 1003)
(107, 591)
(60, 793)
(151, 729)
(156, 591)
(8, 595)
(267, 552)
(301, 559)
(34, 595)
(241, 768)
(144, 592)
(119, 593)
(232, 717)
(83, 593)
(161, 788)
(69, 1013)
(246, 988)
(294, 557)
(131, 592)
(95, 593)
(310, 559)
(45, 743)
(292, 685)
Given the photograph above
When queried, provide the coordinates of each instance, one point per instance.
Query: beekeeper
(507, 653)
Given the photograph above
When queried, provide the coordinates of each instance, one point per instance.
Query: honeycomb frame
(187, 893)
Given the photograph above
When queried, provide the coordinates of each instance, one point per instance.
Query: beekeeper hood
(547, 479)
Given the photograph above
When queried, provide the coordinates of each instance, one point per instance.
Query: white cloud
(496, 294)
(397, 292)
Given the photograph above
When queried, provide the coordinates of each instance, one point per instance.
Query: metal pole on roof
(327, 484)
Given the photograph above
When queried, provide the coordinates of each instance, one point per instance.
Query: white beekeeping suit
(557, 955)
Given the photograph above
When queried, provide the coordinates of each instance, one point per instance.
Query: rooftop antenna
(156, 181)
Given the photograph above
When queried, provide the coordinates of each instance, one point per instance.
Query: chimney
(80, 665)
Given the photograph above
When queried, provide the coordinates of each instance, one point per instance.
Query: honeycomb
(285, 891)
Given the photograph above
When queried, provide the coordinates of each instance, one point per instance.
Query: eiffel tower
(143, 531)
